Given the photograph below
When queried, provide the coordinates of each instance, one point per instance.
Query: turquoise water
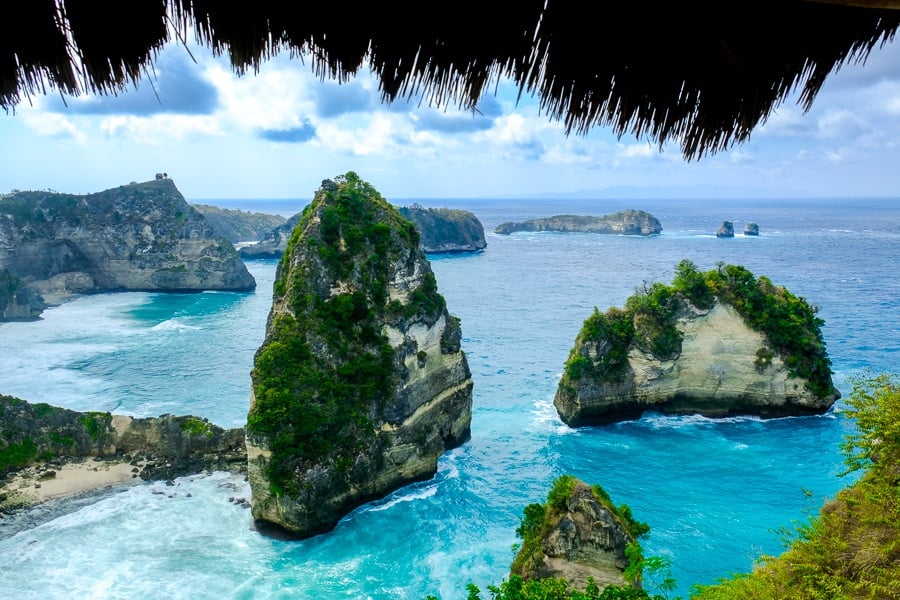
(715, 493)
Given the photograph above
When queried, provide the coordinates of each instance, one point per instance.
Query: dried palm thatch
(702, 73)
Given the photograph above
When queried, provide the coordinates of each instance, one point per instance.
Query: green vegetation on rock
(649, 321)
(539, 519)
(326, 362)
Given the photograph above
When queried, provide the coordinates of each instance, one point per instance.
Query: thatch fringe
(702, 73)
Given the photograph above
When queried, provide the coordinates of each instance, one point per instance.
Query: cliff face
(273, 243)
(628, 222)
(169, 446)
(446, 230)
(136, 237)
(239, 225)
(18, 302)
(576, 535)
(663, 353)
(360, 384)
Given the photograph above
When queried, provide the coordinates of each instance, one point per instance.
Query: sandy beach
(36, 485)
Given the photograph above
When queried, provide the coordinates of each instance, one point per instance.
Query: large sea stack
(717, 343)
(360, 384)
(142, 236)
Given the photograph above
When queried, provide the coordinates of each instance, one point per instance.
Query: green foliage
(95, 423)
(196, 426)
(15, 456)
(851, 549)
(540, 519)
(649, 322)
(321, 376)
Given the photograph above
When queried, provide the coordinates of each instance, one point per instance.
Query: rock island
(717, 343)
(360, 384)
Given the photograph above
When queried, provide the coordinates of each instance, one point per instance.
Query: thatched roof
(701, 73)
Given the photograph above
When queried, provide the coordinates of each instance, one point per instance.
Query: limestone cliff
(169, 446)
(18, 302)
(142, 236)
(627, 222)
(716, 344)
(239, 225)
(360, 384)
(273, 243)
(446, 230)
(577, 535)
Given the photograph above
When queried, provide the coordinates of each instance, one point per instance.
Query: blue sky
(278, 133)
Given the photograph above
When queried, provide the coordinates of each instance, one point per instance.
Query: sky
(278, 133)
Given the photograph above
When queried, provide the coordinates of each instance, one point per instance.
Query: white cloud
(53, 125)
(158, 129)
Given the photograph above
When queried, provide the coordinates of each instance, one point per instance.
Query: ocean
(717, 494)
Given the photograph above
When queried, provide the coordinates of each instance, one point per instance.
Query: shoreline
(41, 493)
(55, 480)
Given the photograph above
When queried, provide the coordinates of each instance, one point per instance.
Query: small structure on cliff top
(717, 343)
(360, 384)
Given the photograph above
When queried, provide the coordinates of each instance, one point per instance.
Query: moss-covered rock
(578, 535)
(716, 343)
(360, 384)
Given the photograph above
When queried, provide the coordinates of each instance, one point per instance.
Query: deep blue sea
(716, 493)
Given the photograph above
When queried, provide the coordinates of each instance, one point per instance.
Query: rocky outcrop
(272, 244)
(168, 446)
(577, 535)
(142, 236)
(18, 302)
(239, 225)
(628, 222)
(751, 228)
(446, 230)
(725, 230)
(705, 345)
(360, 384)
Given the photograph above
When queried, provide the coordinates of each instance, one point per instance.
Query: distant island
(446, 230)
(441, 230)
(137, 237)
(626, 222)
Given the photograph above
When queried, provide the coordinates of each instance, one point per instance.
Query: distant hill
(137, 237)
(239, 225)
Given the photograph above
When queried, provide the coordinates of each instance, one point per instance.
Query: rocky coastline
(137, 237)
(48, 452)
